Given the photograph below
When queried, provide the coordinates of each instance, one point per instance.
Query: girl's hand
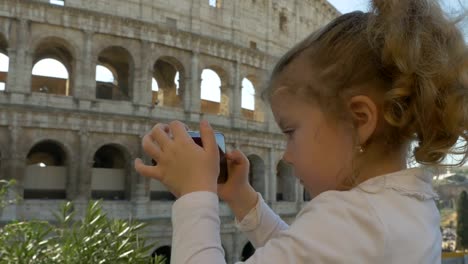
(182, 165)
(237, 192)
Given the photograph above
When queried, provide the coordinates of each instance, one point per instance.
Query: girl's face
(320, 150)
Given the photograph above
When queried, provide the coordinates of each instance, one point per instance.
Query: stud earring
(360, 149)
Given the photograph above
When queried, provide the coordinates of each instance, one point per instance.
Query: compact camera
(223, 170)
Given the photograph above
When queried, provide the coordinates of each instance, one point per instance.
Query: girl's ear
(365, 116)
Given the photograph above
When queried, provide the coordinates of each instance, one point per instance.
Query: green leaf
(125, 231)
(126, 253)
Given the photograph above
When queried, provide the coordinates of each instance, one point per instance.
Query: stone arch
(257, 173)
(45, 44)
(4, 62)
(285, 183)
(60, 50)
(247, 251)
(111, 172)
(258, 112)
(164, 251)
(129, 150)
(121, 63)
(215, 106)
(47, 170)
(169, 75)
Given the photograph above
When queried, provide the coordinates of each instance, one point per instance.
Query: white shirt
(388, 219)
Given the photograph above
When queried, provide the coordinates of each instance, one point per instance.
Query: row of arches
(53, 71)
(47, 172)
(48, 165)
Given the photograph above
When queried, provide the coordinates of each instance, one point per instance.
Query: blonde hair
(415, 57)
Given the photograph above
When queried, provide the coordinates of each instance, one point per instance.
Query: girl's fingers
(150, 148)
(164, 127)
(160, 133)
(147, 171)
(179, 131)
(208, 138)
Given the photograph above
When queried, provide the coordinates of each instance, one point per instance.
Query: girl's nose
(287, 158)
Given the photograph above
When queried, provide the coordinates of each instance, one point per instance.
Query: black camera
(223, 170)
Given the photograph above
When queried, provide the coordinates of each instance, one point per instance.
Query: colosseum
(127, 65)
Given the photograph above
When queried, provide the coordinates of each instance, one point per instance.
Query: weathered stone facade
(87, 132)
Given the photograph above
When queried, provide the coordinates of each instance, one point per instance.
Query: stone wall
(238, 39)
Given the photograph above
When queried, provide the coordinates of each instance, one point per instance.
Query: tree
(462, 221)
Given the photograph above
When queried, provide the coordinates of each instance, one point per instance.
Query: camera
(223, 170)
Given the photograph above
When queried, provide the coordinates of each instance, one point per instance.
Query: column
(192, 98)
(85, 80)
(142, 82)
(19, 75)
(87, 89)
(85, 167)
(236, 105)
(73, 175)
(14, 168)
(11, 77)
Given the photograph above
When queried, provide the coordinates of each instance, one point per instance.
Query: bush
(93, 239)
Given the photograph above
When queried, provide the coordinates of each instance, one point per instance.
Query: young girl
(350, 98)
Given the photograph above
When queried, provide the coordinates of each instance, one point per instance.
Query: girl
(350, 99)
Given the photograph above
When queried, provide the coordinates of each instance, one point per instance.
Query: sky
(455, 7)
(346, 6)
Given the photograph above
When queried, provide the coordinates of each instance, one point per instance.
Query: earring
(360, 149)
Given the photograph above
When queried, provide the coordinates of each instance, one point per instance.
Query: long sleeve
(261, 224)
(196, 229)
(323, 232)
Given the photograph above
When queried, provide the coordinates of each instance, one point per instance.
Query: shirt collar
(414, 182)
